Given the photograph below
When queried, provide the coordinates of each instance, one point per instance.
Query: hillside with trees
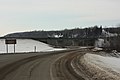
(73, 37)
(67, 33)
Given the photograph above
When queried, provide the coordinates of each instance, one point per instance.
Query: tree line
(67, 33)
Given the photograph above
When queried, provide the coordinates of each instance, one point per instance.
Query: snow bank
(99, 43)
(97, 49)
(101, 68)
(109, 62)
(83, 47)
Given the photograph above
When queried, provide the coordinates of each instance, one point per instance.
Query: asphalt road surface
(60, 65)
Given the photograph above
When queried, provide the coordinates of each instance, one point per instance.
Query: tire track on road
(64, 70)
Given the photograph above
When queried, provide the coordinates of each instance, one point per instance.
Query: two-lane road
(39, 66)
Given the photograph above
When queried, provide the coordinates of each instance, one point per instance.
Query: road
(61, 65)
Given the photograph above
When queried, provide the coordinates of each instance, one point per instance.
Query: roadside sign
(10, 41)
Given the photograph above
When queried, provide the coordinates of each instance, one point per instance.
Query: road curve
(41, 66)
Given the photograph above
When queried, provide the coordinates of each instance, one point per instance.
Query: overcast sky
(26, 15)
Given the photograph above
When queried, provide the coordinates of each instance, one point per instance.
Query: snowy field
(26, 45)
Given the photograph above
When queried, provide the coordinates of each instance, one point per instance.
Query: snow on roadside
(109, 62)
(83, 47)
(100, 67)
